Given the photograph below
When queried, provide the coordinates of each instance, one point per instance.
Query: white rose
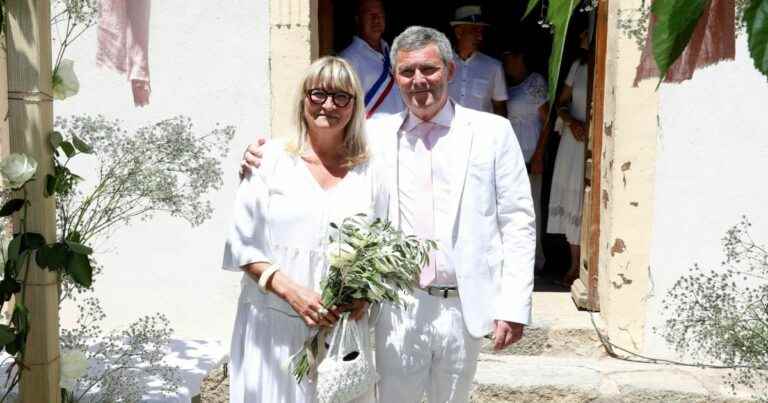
(65, 83)
(74, 365)
(337, 251)
(18, 169)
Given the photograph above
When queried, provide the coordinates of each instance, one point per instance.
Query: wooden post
(30, 111)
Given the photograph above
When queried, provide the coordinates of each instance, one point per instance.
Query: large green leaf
(14, 248)
(6, 335)
(11, 206)
(756, 17)
(559, 15)
(675, 22)
(79, 267)
(78, 247)
(55, 140)
(53, 257)
(81, 145)
(531, 5)
(68, 148)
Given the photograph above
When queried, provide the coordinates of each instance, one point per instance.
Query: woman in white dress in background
(527, 111)
(282, 212)
(565, 200)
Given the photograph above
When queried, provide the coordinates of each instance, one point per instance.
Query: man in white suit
(460, 179)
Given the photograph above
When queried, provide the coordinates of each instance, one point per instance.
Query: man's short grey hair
(415, 38)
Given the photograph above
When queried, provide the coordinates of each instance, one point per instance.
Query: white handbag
(342, 376)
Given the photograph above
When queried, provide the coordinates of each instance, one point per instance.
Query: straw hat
(470, 15)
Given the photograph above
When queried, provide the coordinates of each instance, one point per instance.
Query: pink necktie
(423, 225)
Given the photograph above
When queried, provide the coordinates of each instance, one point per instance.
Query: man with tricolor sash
(369, 56)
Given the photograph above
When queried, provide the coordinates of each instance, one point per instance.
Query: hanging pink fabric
(713, 40)
(123, 37)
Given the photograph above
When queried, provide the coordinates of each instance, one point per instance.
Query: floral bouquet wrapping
(370, 261)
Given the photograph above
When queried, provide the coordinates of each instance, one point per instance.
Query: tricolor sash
(385, 80)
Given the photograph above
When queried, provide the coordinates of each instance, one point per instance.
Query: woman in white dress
(527, 111)
(565, 199)
(281, 229)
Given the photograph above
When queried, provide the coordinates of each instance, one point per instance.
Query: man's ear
(451, 69)
(457, 31)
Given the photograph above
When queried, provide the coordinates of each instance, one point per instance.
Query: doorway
(336, 27)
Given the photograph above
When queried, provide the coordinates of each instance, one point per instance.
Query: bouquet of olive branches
(369, 261)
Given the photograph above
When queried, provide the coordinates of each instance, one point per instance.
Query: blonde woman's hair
(332, 72)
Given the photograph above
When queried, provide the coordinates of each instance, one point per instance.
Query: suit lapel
(389, 130)
(461, 138)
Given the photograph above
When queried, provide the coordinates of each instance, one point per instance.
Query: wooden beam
(30, 111)
(597, 128)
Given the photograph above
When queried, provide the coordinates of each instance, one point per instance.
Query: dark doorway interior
(506, 30)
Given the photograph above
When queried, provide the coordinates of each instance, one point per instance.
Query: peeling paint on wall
(618, 246)
(606, 199)
(626, 166)
(623, 280)
(634, 204)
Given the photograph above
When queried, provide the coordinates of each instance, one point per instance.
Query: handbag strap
(336, 343)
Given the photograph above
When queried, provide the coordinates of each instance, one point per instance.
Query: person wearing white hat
(369, 56)
(478, 82)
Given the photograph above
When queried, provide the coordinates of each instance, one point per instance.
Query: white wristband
(265, 275)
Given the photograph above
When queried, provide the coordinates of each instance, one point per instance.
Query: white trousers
(425, 348)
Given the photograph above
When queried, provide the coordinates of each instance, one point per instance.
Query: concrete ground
(561, 359)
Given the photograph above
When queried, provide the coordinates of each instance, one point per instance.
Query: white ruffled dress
(565, 200)
(282, 215)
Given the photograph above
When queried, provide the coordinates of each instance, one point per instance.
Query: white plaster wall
(209, 61)
(712, 156)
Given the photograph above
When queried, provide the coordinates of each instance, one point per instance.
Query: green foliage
(11, 206)
(531, 5)
(723, 314)
(559, 16)
(369, 261)
(756, 21)
(675, 22)
(559, 13)
(372, 261)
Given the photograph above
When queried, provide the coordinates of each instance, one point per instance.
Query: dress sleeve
(248, 237)
(538, 89)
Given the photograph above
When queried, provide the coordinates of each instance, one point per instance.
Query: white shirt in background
(369, 64)
(523, 111)
(441, 184)
(477, 81)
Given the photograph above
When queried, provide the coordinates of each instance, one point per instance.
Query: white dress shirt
(477, 81)
(369, 64)
(441, 191)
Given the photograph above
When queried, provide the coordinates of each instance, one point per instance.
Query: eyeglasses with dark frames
(318, 97)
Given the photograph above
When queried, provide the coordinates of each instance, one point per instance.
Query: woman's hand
(251, 158)
(357, 309)
(578, 129)
(305, 302)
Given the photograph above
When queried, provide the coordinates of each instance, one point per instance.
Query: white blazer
(491, 222)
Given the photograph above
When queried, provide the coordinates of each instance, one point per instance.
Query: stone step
(534, 379)
(554, 341)
(509, 378)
